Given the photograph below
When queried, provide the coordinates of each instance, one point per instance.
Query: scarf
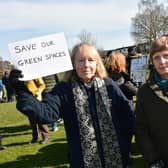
(111, 151)
(163, 83)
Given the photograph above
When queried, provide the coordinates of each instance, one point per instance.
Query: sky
(109, 21)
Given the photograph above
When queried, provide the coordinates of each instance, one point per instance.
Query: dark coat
(152, 122)
(50, 81)
(60, 100)
(125, 83)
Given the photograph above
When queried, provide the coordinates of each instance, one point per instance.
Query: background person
(8, 87)
(97, 116)
(116, 68)
(1, 91)
(36, 87)
(151, 109)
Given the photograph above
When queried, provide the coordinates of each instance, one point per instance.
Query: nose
(162, 60)
(86, 63)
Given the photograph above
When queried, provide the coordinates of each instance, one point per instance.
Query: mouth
(163, 67)
(86, 72)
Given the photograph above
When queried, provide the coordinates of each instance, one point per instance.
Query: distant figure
(1, 91)
(10, 91)
(36, 87)
(116, 68)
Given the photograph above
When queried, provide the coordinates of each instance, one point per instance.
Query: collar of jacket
(157, 90)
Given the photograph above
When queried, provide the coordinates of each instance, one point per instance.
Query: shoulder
(126, 77)
(109, 81)
(115, 75)
(144, 89)
(111, 85)
(62, 87)
(145, 86)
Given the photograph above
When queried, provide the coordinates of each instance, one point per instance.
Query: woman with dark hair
(151, 109)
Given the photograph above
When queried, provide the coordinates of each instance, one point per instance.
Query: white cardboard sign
(41, 56)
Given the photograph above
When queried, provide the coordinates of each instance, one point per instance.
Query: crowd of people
(95, 101)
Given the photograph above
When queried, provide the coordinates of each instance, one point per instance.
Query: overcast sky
(109, 21)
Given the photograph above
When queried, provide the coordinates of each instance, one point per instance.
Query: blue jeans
(54, 124)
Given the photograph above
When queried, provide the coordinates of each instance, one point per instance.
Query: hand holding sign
(14, 80)
(41, 56)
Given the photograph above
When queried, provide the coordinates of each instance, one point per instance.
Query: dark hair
(158, 45)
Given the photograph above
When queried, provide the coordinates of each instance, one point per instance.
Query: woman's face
(85, 63)
(160, 61)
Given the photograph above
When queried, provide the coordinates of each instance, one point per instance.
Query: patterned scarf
(111, 151)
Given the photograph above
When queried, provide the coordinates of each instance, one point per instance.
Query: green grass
(16, 133)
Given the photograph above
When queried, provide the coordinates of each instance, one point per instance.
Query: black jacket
(125, 83)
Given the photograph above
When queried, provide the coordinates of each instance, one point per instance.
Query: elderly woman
(152, 108)
(97, 116)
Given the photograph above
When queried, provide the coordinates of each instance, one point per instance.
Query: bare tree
(150, 22)
(86, 36)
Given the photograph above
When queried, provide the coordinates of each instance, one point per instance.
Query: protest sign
(137, 71)
(41, 56)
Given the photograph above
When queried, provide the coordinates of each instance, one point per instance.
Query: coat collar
(157, 90)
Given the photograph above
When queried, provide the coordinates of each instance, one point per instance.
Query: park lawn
(16, 133)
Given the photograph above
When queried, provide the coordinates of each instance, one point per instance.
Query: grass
(16, 133)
